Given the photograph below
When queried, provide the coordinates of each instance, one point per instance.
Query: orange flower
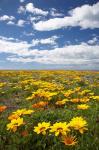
(75, 100)
(40, 104)
(13, 116)
(2, 108)
(69, 140)
(24, 133)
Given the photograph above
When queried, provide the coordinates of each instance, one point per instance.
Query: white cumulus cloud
(21, 9)
(21, 1)
(51, 41)
(6, 18)
(21, 23)
(36, 11)
(55, 13)
(93, 41)
(79, 54)
(86, 16)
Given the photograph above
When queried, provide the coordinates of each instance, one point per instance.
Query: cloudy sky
(49, 34)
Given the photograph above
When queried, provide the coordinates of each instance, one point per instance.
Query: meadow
(49, 110)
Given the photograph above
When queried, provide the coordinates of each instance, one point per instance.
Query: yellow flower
(60, 128)
(42, 128)
(42, 94)
(24, 111)
(19, 112)
(2, 84)
(62, 102)
(85, 92)
(14, 124)
(68, 93)
(95, 97)
(83, 106)
(28, 112)
(69, 140)
(84, 99)
(77, 89)
(78, 123)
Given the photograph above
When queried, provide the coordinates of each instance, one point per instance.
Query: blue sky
(49, 34)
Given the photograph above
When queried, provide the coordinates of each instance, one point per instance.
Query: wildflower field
(49, 110)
